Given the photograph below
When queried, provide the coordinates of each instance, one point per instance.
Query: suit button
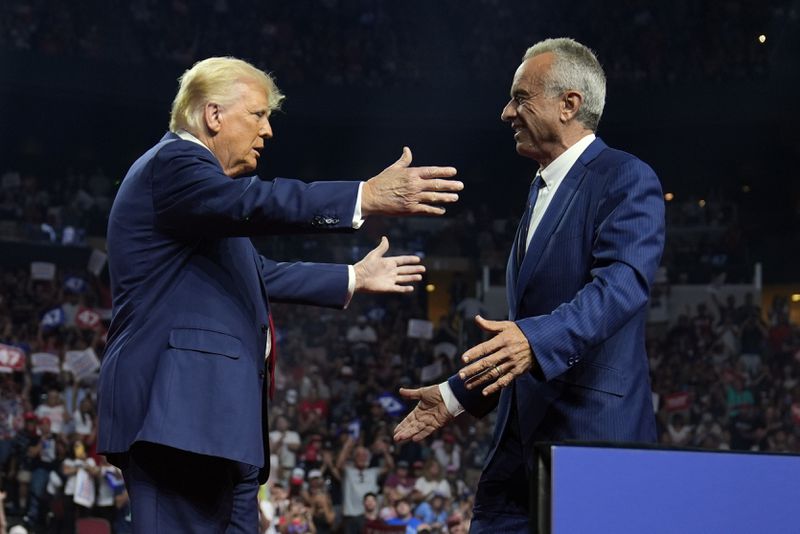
(261, 375)
(264, 329)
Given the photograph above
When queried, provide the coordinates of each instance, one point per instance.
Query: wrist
(366, 200)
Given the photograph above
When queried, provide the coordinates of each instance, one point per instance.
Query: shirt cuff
(358, 220)
(351, 285)
(450, 400)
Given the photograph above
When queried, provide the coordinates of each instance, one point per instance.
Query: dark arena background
(705, 92)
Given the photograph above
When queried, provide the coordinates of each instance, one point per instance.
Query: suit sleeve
(627, 249)
(192, 196)
(317, 284)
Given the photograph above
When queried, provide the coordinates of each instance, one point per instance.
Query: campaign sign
(44, 362)
(11, 359)
(81, 363)
(87, 319)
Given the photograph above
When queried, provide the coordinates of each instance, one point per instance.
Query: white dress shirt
(552, 176)
(357, 222)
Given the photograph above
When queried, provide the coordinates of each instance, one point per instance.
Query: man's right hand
(403, 190)
(429, 415)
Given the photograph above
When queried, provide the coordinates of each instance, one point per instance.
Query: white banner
(81, 363)
(420, 329)
(43, 270)
(44, 362)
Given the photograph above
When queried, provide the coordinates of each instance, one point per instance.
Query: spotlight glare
(762, 38)
(668, 197)
(796, 297)
(702, 203)
(430, 288)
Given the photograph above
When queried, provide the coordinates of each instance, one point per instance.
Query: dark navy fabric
(174, 492)
(184, 365)
(580, 297)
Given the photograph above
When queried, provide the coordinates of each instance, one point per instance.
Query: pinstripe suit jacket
(580, 297)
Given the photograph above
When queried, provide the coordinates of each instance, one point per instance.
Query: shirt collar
(559, 167)
(186, 136)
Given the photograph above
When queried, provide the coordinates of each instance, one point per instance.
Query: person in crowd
(320, 503)
(431, 482)
(185, 379)
(358, 479)
(577, 282)
(403, 516)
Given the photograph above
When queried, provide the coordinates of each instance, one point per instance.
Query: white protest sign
(420, 329)
(43, 270)
(44, 362)
(81, 363)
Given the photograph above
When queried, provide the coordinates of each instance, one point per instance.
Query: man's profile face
(533, 114)
(244, 126)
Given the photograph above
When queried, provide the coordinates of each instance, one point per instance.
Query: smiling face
(533, 114)
(240, 128)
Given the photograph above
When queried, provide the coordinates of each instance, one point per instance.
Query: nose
(266, 129)
(509, 111)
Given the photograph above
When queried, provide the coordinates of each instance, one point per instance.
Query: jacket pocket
(208, 341)
(598, 377)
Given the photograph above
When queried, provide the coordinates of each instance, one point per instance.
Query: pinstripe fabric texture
(580, 298)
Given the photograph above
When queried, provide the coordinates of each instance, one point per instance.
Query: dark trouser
(173, 492)
(501, 500)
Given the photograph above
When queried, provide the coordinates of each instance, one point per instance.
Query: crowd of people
(380, 43)
(725, 376)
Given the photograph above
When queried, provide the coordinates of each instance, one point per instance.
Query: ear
(571, 102)
(212, 113)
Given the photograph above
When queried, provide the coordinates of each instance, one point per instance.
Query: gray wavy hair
(575, 68)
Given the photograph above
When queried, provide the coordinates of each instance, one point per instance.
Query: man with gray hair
(189, 366)
(570, 362)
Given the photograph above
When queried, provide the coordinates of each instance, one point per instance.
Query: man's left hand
(378, 274)
(495, 363)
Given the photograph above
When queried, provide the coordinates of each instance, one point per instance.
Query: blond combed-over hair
(214, 80)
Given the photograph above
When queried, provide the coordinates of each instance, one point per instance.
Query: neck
(568, 137)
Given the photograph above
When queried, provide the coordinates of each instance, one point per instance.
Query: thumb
(405, 158)
(411, 394)
(487, 325)
(383, 246)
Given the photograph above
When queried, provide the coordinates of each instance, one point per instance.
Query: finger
(498, 384)
(482, 349)
(411, 394)
(407, 278)
(424, 209)
(411, 269)
(382, 247)
(429, 197)
(405, 158)
(490, 326)
(401, 261)
(485, 377)
(437, 184)
(441, 172)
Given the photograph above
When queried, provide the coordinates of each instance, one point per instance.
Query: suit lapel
(552, 217)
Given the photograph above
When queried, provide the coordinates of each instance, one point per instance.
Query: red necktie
(273, 356)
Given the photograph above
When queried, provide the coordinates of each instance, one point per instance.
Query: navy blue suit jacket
(184, 365)
(580, 297)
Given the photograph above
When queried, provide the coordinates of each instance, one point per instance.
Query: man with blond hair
(186, 377)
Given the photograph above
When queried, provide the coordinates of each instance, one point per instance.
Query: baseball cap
(298, 474)
(314, 473)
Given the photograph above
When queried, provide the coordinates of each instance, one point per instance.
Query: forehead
(531, 72)
(252, 94)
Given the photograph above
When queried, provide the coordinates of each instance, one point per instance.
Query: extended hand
(429, 415)
(403, 190)
(377, 274)
(499, 360)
